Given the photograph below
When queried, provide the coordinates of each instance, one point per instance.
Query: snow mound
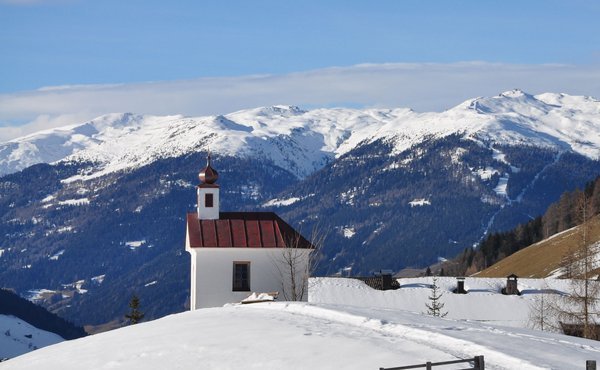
(258, 297)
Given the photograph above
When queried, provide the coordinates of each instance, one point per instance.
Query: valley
(390, 189)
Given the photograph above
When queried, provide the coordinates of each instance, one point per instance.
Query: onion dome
(208, 175)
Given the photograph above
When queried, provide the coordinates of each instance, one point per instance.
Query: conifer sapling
(435, 306)
(135, 315)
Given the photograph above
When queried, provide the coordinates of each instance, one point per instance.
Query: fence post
(590, 365)
(479, 363)
(428, 365)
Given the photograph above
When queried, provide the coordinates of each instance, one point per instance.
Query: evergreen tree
(435, 306)
(135, 315)
(428, 271)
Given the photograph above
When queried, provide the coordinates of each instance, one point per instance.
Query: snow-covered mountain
(303, 141)
(347, 325)
(391, 189)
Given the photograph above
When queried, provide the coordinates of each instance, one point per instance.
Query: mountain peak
(288, 108)
(276, 110)
(514, 93)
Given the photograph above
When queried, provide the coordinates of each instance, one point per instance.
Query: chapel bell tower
(208, 193)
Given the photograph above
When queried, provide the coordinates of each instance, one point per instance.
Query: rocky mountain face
(406, 210)
(388, 188)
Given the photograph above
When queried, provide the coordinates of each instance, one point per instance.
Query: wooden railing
(478, 364)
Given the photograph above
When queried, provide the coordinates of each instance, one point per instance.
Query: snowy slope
(484, 303)
(18, 337)
(302, 336)
(303, 141)
(359, 329)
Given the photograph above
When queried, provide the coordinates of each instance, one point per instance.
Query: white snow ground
(15, 340)
(484, 303)
(345, 326)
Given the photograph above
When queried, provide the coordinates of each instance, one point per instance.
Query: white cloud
(421, 86)
(43, 122)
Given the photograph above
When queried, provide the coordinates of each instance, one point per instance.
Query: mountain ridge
(303, 141)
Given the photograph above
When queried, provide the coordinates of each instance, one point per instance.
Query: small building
(511, 285)
(381, 280)
(236, 253)
(460, 286)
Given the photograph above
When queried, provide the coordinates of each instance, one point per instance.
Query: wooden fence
(478, 364)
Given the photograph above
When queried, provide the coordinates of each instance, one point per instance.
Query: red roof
(243, 230)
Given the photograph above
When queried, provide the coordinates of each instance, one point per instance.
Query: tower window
(208, 200)
(241, 276)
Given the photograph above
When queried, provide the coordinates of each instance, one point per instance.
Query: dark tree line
(560, 216)
(12, 304)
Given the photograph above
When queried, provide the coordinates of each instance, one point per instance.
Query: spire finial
(208, 175)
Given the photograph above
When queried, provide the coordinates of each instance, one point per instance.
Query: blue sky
(54, 42)
(64, 61)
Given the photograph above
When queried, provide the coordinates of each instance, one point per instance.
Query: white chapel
(234, 254)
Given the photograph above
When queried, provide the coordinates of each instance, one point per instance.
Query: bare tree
(581, 304)
(543, 311)
(295, 264)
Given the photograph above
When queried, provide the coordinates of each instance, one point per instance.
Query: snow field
(236, 337)
(346, 325)
(419, 202)
(281, 202)
(483, 303)
(15, 340)
(307, 336)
